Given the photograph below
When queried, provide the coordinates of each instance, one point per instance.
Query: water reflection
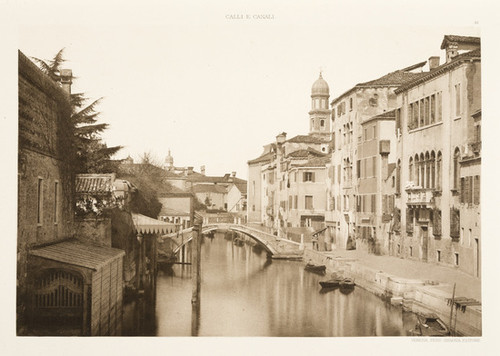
(245, 294)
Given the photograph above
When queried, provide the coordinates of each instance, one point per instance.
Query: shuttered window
(477, 190)
(309, 201)
(436, 222)
(433, 108)
(455, 223)
(462, 190)
(439, 107)
(409, 221)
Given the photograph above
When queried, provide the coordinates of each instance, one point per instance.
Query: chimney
(190, 170)
(433, 62)
(281, 138)
(202, 169)
(66, 80)
(233, 174)
(451, 51)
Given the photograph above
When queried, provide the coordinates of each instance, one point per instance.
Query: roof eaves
(461, 58)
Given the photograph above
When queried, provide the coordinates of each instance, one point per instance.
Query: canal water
(245, 294)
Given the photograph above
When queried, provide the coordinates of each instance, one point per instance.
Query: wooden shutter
(477, 190)
(436, 222)
(454, 223)
(409, 221)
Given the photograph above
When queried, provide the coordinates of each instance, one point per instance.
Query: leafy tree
(92, 154)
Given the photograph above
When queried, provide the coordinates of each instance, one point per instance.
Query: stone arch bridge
(278, 248)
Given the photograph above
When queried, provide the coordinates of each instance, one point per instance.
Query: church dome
(320, 87)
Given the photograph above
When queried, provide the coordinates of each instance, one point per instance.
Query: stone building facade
(45, 182)
(349, 111)
(376, 151)
(438, 127)
(287, 182)
(57, 274)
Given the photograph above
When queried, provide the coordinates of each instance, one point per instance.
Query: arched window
(456, 169)
(417, 171)
(427, 170)
(422, 170)
(411, 169)
(438, 170)
(433, 170)
(322, 124)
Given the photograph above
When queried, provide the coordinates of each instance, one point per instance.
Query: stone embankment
(417, 295)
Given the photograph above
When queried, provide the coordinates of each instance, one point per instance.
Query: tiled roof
(393, 79)
(209, 188)
(77, 253)
(172, 212)
(474, 54)
(242, 187)
(215, 179)
(388, 115)
(316, 162)
(299, 154)
(94, 183)
(460, 39)
(308, 139)
(266, 157)
(306, 153)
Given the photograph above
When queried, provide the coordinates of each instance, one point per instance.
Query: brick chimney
(202, 169)
(433, 62)
(233, 174)
(189, 170)
(66, 80)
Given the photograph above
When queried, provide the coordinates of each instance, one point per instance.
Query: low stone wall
(413, 295)
(431, 299)
(95, 230)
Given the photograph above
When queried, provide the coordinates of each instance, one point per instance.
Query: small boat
(430, 325)
(346, 283)
(315, 268)
(332, 283)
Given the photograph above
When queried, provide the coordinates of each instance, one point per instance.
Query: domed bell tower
(319, 116)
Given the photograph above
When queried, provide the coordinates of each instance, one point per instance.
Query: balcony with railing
(418, 196)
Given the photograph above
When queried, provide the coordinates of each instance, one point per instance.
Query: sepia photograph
(254, 172)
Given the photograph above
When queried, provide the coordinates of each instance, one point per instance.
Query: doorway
(424, 232)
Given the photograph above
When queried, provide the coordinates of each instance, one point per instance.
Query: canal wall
(413, 295)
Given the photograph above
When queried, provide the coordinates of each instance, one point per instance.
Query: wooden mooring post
(196, 258)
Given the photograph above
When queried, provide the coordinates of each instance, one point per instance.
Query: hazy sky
(215, 90)
(180, 75)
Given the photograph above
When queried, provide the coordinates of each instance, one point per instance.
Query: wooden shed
(76, 289)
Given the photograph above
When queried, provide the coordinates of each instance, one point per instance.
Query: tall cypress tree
(92, 153)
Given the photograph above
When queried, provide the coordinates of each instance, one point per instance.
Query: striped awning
(146, 225)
